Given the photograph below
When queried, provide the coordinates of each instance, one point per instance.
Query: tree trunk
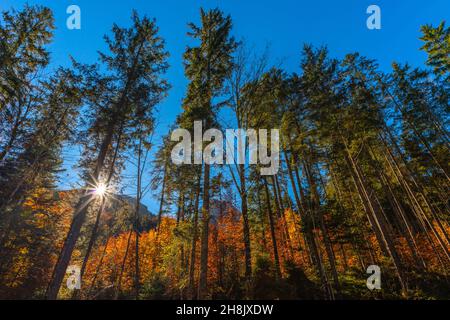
(122, 266)
(203, 281)
(315, 201)
(78, 221)
(246, 228)
(272, 231)
(372, 209)
(136, 220)
(194, 239)
(161, 201)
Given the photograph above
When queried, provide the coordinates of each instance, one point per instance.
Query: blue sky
(283, 24)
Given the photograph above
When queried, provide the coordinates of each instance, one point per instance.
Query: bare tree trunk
(91, 243)
(194, 239)
(78, 220)
(97, 270)
(122, 267)
(307, 219)
(415, 203)
(373, 210)
(99, 213)
(272, 231)
(140, 168)
(246, 227)
(161, 201)
(203, 280)
(401, 216)
(315, 201)
(279, 199)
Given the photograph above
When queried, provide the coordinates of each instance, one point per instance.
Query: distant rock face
(118, 212)
(123, 203)
(117, 201)
(143, 210)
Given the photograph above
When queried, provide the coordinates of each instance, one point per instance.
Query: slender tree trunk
(99, 213)
(97, 270)
(372, 209)
(281, 215)
(194, 239)
(308, 232)
(81, 210)
(91, 243)
(246, 227)
(203, 280)
(416, 206)
(159, 219)
(161, 201)
(136, 220)
(315, 201)
(401, 216)
(263, 227)
(122, 266)
(272, 231)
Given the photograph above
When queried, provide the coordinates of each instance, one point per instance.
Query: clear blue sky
(283, 24)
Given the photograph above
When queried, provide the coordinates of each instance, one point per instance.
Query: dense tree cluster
(363, 179)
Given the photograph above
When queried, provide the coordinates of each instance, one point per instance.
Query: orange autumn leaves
(166, 255)
(37, 239)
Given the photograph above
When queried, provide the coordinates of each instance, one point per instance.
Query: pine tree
(437, 46)
(23, 55)
(206, 66)
(122, 99)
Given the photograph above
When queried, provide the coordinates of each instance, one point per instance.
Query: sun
(100, 190)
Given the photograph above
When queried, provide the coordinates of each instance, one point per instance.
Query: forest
(363, 177)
